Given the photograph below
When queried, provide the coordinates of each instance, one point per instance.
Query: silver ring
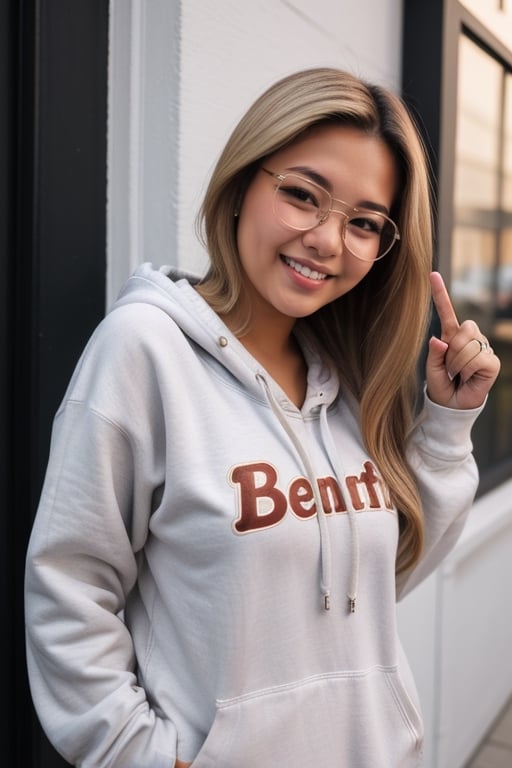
(484, 345)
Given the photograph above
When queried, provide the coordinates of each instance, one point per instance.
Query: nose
(328, 237)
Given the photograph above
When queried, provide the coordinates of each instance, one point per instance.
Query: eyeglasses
(301, 204)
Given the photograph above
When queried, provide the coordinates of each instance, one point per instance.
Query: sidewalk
(496, 751)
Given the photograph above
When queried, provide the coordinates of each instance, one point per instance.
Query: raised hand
(461, 366)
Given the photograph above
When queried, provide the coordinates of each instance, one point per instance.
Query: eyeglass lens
(301, 204)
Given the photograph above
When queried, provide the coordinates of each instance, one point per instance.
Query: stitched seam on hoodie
(99, 415)
(341, 675)
(397, 698)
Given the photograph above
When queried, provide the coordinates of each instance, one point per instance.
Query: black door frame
(53, 128)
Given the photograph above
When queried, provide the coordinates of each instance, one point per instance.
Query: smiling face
(292, 274)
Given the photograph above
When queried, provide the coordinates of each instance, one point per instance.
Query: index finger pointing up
(444, 306)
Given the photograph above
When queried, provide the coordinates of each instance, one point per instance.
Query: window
(481, 253)
(457, 80)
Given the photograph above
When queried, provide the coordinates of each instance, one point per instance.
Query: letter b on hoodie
(261, 504)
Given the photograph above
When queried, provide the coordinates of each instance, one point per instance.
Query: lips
(303, 270)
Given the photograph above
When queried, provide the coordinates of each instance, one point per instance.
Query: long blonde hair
(374, 333)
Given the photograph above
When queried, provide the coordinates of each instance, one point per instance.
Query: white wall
(456, 628)
(474, 635)
(182, 74)
(232, 50)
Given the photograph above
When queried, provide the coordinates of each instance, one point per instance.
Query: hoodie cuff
(446, 432)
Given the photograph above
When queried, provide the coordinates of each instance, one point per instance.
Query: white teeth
(303, 270)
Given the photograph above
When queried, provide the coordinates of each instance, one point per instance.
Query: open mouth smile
(312, 274)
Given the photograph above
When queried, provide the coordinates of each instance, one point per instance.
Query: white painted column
(143, 152)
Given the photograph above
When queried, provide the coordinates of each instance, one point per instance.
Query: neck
(269, 332)
(271, 341)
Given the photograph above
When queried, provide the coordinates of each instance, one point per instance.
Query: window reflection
(507, 149)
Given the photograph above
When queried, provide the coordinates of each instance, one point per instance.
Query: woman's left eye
(367, 223)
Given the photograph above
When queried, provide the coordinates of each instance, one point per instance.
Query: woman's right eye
(299, 195)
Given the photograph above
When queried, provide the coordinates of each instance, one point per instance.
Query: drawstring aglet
(352, 604)
(327, 602)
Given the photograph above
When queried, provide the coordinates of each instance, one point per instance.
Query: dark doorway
(53, 116)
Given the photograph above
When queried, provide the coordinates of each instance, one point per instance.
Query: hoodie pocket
(359, 719)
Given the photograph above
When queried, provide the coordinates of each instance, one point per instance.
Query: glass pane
(473, 260)
(504, 284)
(507, 146)
(478, 136)
(481, 258)
(502, 337)
(495, 15)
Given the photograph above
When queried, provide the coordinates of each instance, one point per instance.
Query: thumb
(436, 354)
(439, 385)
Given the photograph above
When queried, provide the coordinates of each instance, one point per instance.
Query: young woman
(245, 472)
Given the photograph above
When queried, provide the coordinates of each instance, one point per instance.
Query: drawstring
(352, 515)
(325, 546)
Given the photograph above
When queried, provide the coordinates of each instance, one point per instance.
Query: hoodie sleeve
(81, 564)
(440, 455)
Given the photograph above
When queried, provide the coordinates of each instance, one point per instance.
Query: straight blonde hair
(374, 334)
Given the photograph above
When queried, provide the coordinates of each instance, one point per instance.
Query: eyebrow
(323, 182)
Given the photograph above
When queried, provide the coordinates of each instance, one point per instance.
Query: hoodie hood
(172, 291)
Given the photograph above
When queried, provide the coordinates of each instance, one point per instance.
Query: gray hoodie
(211, 572)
